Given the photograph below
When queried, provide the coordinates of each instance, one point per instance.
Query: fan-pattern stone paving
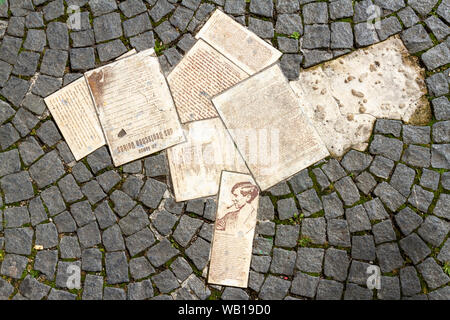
(318, 232)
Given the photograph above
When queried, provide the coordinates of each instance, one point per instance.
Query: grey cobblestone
(111, 220)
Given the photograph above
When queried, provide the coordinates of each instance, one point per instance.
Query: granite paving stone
(389, 257)
(160, 9)
(17, 187)
(347, 190)
(116, 267)
(432, 273)
(13, 266)
(338, 232)
(390, 288)
(316, 36)
(363, 248)
(69, 247)
(333, 206)
(402, 179)
(442, 10)
(198, 252)
(140, 290)
(274, 288)
(336, 264)
(139, 241)
(135, 221)
(358, 272)
(388, 147)
(383, 231)
(82, 213)
(283, 261)
(410, 283)
(389, 27)
(314, 230)
(386, 126)
(381, 167)
(384, 203)
(389, 196)
(111, 50)
(164, 222)
(365, 35)
(89, 235)
(304, 285)
(287, 235)
(434, 230)
(420, 198)
(341, 9)
(416, 39)
(415, 248)
(329, 290)
(186, 229)
(64, 222)
(436, 56)
(440, 156)
(310, 259)
(112, 239)
(161, 253)
(152, 192)
(33, 289)
(93, 288)
(408, 220)
(47, 170)
(365, 182)
(57, 36)
(441, 132)
(442, 208)
(19, 240)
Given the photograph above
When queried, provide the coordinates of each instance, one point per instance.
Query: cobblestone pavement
(318, 232)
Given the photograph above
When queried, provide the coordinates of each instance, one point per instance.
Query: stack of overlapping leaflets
(228, 55)
(245, 133)
(126, 104)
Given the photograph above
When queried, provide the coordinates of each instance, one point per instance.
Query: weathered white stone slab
(201, 74)
(135, 107)
(234, 230)
(196, 165)
(339, 132)
(74, 113)
(271, 132)
(237, 43)
(343, 97)
(382, 80)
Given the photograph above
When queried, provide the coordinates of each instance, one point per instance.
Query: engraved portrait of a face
(242, 210)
